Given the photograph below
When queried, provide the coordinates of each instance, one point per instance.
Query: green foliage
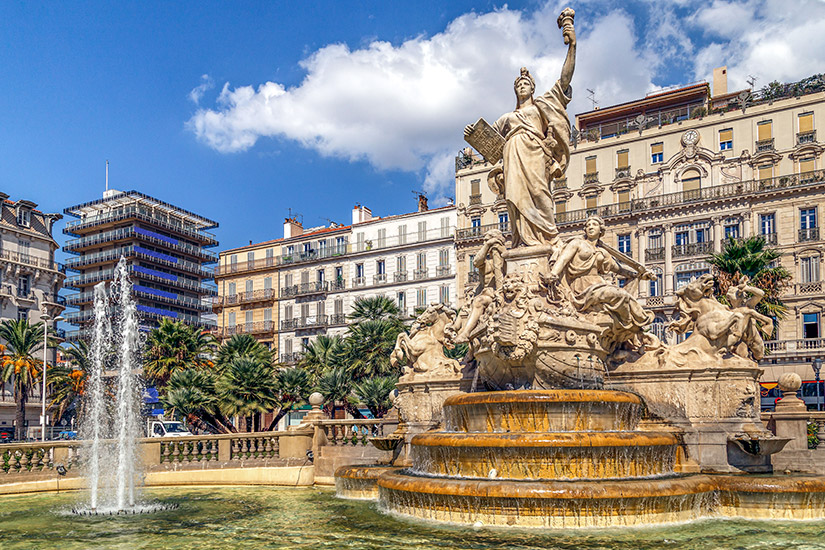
(458, 352)
(368, 348)
(174, 346)
(375, 394)
(22, 341)
(336, 387)
(323, 354)
(752, 258)
(246, 387)
(242, 345)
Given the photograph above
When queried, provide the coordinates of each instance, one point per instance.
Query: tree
(174, 346)
(68, 383)
(368, 348)
(375, 308)
(336, 387)
(752, 258)
(375, 394)
(293, 388)
(191, 393)
(242, 345)
(20, 365)
(323, 354)
(247, 388)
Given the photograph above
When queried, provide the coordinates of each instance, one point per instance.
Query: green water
(224, 518)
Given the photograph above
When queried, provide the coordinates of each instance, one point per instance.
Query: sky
(245, 112)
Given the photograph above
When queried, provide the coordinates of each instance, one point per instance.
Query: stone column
(717, 234)
(668, 273)
(746, 225)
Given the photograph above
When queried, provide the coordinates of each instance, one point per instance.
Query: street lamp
(45, 318)
(817, 365)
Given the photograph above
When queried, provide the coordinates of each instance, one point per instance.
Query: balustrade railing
(353, 432)
(419, 274)
(28, 259)
(475, 199)
(764, 145)
(400, 276)
(655, 254)
(810, 234)
(811, 287)
(692, 249)
(592, 177)
(803, 138)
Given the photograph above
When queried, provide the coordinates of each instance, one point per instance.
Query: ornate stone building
(675, 174)
(30, 280)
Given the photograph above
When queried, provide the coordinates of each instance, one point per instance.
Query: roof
(125, 198)
(651, 101)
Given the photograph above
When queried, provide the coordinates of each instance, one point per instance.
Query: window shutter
(592, 202)
(657, 148)
(725, 135)
(561, 207)
(806, 165)
(806, 122)
(621, 159)
(764, 130)
(590, 165)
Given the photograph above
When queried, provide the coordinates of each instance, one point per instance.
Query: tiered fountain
(549, 329)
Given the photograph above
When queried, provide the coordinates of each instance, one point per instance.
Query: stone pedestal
(717, 409)
(419, 405)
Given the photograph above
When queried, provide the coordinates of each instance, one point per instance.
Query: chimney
(720, 81)
(361, 214)
(292, 228)
(422, 203)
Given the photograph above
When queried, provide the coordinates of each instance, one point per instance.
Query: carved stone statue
(490, 265)
(536, 148)
(424, 347)
(580, 268)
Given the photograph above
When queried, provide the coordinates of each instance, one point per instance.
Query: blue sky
(242, 110)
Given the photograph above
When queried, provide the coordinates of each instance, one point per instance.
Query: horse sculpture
(424, 347)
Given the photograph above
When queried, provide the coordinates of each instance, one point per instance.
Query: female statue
(536, 148)
(582, 264)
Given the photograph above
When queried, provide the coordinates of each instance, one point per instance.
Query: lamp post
(45, 318)
(817, 366)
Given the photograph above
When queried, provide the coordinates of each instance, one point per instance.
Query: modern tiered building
(30, 280)
(287, 291)
(167, 248)
(677, 173)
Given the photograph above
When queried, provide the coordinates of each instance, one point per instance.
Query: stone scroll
(486, 141)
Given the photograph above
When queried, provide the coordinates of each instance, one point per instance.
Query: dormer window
(24, 216)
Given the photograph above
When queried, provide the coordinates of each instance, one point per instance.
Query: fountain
(588, 420)
(111, 423)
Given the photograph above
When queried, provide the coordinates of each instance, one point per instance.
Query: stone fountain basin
(760, 446)
(386, 443)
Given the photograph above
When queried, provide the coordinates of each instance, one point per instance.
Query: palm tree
(293, 389)
(247, 388)
(19, 363)
(336, 386)
(242, 345)
(191, 394)
(174, 346)
(375, 308)
(375, 394)
(67, 383)
(752, 258)
(323, 354)
(368, 348)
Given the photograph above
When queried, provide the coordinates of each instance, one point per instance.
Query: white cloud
(197, 92)
(404, 106)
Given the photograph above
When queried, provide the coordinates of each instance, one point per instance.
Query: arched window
(686, 273)
(691, 182)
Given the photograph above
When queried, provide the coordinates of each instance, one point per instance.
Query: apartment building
(167, 249)
(30, 280)
(677, 173)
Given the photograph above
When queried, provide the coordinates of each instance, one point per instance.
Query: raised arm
(565, 22)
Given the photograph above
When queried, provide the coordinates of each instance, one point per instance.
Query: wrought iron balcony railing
(592, 177)
(803, 138)
(442, 270)
(763, 145)
(692, 249)
(419, 274)
(655, 254)
(810, 234)
(475, 199)
(379, 279)
(400, 276)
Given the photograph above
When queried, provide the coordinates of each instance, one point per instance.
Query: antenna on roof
(329, 221)
(107, 174)
(591, 95)
(751, 80)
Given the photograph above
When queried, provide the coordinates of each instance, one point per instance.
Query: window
(503, 221)
(290, 251)
(339, 274)
(657, 153)
(304, 344)
(658, 328)
(691, 182)
(288, 279)
(687, 273)
(810, 325)
(322, 249)
(382, 238)
(359, 270)
(682, 238)
(624, 244)
(24, 248)
(401, 264)
(402, 302)
(767, 224)
(764, 130)
(288, 346)
(402, 234)
(654, 240)
(304, 277)
(421, 297)
(249, 286)
(268, 315)
(731, 231)
(250, 257)
(561, 207)
(475, 187)
(320, 309)
(471, 261)
(590, 165)
(359, 242)
(421, 261)
(422, 231)
(23, 217)
(233, 260)
(765, 172)
(806, 122)
(231, 319)
(307, 249)
(339, 306)
(622, 159)
(320, 276)
(232, 289)
(444, 257)
(249, 318)
(288, 313)
(475, 222)
(656, 284)
(268, 283)
(591, 203)
(726, 139)
(702, 235)
(270, 256)
(807, 218)
(444, 294)
(623, 200)
(340, 245)
(445, 227)
(304, 311)
(380, 267)
(23, 286)
(809, 269)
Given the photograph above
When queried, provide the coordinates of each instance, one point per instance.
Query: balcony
(400, 276)
(623, 172)
(314, 321)
(34, 261)
(763, 145)
(337, 319)
(812, 287)
(443, 271)
(655, 301)
(379, 279)
(655, 254)
(777, 347)
(593, 177)
(289, 324)
(359, 282)
(263, 295)
(420, 274)
(475, 199)
(810, 234)
(480, 231)
(473, 277)
(804, 138)
(770, 238)
(88, 222)
(692, 249)
(560, 184)
(258, 327)
(243, 267)
(291, 358)
(336, 286)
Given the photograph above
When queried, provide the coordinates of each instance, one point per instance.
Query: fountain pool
(263, 517)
